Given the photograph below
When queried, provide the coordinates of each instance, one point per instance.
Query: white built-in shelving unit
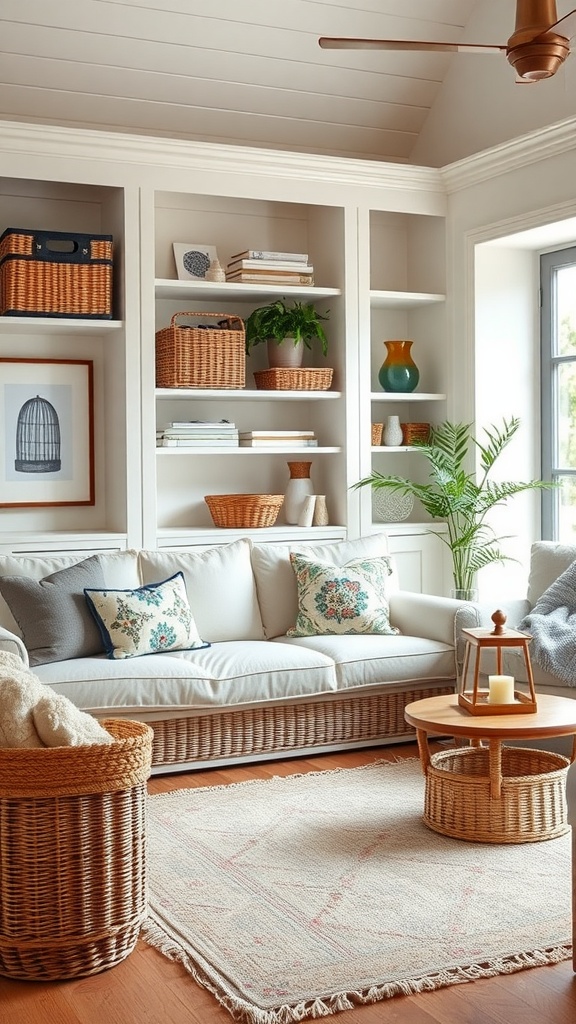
(375, 235)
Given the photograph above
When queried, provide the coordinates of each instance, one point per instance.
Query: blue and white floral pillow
(346, 599)
(148, 620)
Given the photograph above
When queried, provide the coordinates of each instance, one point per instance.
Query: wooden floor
(148, 989)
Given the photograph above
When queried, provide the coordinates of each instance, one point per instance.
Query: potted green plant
(460, 496)
(297, 324)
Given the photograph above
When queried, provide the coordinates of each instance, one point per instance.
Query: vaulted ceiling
(229, 71)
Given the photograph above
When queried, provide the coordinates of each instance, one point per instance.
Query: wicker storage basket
(72, 850)
(244, 511)
(51, 273)
(412, 432)
(531, 806)
(192, 356)
(283, 378)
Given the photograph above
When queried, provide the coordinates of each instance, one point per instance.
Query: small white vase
(320, 511)
(215, 272)
(392, 436)
(306, 517)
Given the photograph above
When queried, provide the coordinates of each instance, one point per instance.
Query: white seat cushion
(226, 674)
(366, 659)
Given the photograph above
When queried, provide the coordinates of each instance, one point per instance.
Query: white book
(262, 442)
(202, 425)
(274, 265)
(175, 442)
(286, 277)
(193, 438)
(276, 433)
(267, 254)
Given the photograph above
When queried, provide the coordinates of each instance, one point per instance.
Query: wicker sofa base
(284, 729)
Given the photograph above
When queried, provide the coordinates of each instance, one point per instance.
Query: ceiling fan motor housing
(541, 57)
(534, 61)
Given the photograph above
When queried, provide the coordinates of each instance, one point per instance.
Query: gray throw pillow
(52, 613)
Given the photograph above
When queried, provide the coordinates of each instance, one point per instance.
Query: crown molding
(541, 144)
(152, 151)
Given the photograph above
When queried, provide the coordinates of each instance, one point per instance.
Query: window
(558, 334)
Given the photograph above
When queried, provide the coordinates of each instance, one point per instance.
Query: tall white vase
(298, 488)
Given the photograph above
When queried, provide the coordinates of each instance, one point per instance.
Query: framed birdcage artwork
(47, 430)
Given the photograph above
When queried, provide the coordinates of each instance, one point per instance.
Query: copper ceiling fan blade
(343, 43)
(565, 26)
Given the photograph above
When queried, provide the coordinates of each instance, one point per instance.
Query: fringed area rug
(301, 896)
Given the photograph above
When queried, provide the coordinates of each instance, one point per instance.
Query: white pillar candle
(500, 689)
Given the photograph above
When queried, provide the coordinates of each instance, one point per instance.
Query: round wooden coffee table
(487, 791)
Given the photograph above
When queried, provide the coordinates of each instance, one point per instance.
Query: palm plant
(462, 498)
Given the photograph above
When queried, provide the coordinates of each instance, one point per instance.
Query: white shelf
(380, 449)
(226, 290)
(247, 395)
(56, 325)
(168, 536)
(238, 450)
(403, 300)
(402, 396)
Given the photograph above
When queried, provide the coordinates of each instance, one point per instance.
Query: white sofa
(255, 692)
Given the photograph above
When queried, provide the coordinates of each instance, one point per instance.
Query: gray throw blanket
(552, 624)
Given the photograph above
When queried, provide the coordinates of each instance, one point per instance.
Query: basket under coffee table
(488, 792)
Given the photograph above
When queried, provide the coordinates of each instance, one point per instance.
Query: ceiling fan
(536, 49)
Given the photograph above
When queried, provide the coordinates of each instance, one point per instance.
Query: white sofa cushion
(228, 673)
(548, 560)
(120, 569)
(220, 585)
(276, 583)
(369, 659)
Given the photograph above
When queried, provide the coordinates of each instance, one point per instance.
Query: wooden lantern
(476, 701)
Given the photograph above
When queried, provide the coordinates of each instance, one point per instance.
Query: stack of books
(278, 439)
(198, 434)
(258, 266)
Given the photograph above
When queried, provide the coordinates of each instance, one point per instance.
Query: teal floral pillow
(346, 599)
(148, 620)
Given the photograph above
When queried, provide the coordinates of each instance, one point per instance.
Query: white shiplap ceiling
(244, 71)
(227, 71)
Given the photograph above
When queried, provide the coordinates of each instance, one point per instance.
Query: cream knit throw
(32, 715)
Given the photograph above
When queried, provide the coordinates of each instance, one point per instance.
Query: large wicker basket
(72, 850)
(53, 273)
(244, 511)
(196, 356)
(531, 806)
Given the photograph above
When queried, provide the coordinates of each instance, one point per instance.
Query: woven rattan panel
(282, 728)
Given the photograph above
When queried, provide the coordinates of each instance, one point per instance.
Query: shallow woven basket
(189, 356)
(531, 806)
(244, 511)
(303, 378)
(72, 854)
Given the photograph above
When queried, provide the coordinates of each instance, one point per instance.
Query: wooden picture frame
(47, 427)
